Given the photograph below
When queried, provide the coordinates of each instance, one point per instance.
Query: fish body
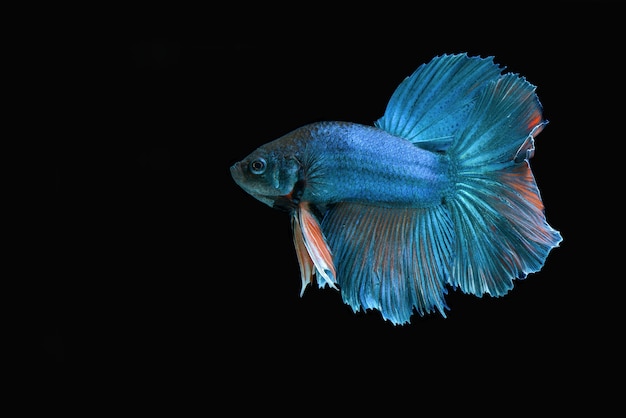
(348, 162)
(437, 194)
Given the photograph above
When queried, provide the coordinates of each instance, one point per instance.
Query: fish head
(268, 174)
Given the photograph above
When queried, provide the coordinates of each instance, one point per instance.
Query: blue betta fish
(437, 194)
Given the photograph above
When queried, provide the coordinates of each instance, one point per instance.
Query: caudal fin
(497, 211)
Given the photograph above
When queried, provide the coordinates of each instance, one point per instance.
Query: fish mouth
(236, 172)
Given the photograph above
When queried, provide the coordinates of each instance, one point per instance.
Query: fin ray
(501, 229)
(304, 259)
(393, 260)
(430, 106)
(310, 235)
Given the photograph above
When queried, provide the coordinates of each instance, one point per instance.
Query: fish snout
(234, 168)
(236, 172)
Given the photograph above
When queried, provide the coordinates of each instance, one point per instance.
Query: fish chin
(269, 201)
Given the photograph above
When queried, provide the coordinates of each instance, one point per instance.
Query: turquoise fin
(391, 260)
(431, 105)
(498, 215)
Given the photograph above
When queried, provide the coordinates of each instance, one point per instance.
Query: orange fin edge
(304, 260)
(315, 243)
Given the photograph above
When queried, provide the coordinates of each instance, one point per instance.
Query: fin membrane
(391, 259)
(430, 106)
(314, 255)
(307, 268)
(501, 230)
(497, 211)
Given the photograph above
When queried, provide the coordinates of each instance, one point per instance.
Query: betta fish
(437, 194)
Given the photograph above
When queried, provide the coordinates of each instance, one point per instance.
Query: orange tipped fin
(316, 246)
(304, 260)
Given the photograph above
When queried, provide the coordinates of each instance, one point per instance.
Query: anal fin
(393, 260)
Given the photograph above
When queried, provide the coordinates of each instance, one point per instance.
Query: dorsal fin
(430, 106)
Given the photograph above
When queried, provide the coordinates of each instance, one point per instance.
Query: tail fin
(498, 215)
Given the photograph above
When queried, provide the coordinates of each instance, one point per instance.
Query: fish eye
(257, 166)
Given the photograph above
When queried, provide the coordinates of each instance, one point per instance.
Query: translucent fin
(501, 229)
(312, 249)
(506, 118)
(392, 260)
(429, 107)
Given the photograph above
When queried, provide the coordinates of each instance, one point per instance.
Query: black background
(167, 279)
